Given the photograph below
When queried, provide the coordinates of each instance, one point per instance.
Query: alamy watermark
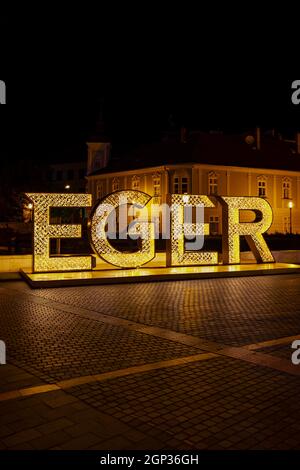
(2, 352)
(2, 92)
(189, 218)
(296, 354)
(296, 92)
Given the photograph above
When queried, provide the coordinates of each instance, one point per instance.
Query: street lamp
(291, 207)
(30, 208)
(67, 186)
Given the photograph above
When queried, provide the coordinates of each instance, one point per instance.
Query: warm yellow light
(233, 228)
(44, 231)
(67, 186)
(179, 253)
(291, 204)
(176, 253)
(144, 229)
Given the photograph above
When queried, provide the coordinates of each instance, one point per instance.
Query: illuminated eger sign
(180, 252)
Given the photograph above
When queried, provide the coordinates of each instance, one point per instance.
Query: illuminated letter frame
(176, 253)
(100, 242)
(43, 231)
(233, 229)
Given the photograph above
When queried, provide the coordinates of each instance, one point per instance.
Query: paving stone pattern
(207, 402)
(230, 311)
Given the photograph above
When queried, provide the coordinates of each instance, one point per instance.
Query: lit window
(212, 183)
(115, 184)
(287, 188)
(136, 183)
(262, 186)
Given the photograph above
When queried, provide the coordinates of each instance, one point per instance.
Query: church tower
(99, 147)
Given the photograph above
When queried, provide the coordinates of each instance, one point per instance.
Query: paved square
(202, 364)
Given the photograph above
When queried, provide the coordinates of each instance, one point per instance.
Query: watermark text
(296, 92)
(2, 352)
(296, 354)
(2, 92)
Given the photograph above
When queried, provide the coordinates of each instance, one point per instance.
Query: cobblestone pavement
(284, 351)
(151, 366)
(230, 311)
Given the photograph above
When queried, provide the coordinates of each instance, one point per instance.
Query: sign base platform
(152, 274)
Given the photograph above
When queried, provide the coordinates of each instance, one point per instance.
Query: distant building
(64, 177)
(206, 163)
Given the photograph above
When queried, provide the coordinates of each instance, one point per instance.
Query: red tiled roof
(214, 149)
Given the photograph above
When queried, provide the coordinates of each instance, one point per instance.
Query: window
(70, 175)
(100, 191)
(136, 183)
(262, 189)
(115, 184)
(214, 224)
(156, 185)
(212, 183)
(286, 188)
(181, 185)
(184, 185)
(262, 186)
(98, 159)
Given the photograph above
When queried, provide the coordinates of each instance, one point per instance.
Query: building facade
(67, 177)
(280, 187)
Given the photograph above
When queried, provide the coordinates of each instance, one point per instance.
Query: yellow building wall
(232, 181)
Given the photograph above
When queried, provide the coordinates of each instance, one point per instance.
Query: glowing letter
(177, 255)
(100, 242)
(44, 231)
(233, 228)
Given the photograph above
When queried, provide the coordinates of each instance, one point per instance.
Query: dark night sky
(59, 76)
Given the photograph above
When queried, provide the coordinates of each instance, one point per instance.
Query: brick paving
(215, 403)
(218, 404)
(284, 351)
(229, 311)
(58, 345)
